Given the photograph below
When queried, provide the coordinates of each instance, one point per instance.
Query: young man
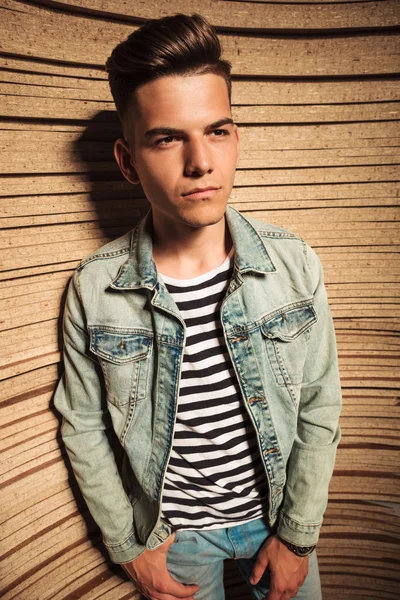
(205, 342)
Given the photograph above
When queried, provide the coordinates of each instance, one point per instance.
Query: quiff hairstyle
(174, 45)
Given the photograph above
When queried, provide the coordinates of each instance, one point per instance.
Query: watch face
(305, 551)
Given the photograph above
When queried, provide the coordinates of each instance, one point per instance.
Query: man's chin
(202, 218)
(200, 223)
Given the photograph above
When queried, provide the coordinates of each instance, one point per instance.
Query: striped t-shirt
(214, 477)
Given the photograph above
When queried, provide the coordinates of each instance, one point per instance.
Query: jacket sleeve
(312, 457)
(86, 427)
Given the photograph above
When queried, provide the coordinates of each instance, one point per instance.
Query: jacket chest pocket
(124, 358)
(286, 336)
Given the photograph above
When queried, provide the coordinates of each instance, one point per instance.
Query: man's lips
(201, 192)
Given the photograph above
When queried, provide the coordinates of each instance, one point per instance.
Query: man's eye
(220, 132)
(165, 140)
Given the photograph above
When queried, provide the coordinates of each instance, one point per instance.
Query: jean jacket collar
(139, 271)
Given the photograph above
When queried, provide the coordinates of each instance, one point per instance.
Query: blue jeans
(197, 557)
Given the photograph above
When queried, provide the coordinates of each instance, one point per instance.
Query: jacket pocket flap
(290, 323)
(120, 347)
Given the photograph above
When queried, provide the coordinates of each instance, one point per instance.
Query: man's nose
(198, 159)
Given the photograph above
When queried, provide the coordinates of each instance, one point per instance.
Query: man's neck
(185, 253)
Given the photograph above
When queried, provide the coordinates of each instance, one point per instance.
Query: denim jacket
(123, 350)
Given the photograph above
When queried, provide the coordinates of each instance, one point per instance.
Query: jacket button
(270, 451)
(254, 400)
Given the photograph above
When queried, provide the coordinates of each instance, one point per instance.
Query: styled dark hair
(174, 45)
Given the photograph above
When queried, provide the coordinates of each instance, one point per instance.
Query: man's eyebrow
(221, 123)
(173, 131)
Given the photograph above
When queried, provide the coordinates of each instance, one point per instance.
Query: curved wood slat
(256, 55)
(45, 186)
(366, 144)
(94, 89)
(78, 84)
(23, 101)
(227, 14)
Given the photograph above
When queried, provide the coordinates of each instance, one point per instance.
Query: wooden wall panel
(54, 34)
(316, 97)
(233, 15)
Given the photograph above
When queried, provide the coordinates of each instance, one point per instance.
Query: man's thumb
(169, 541)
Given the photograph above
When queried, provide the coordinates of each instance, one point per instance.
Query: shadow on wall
(115, 206)
(118, 205)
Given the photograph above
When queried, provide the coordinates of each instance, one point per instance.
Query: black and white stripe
(215, 476)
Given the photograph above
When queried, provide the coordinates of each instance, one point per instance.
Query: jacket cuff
(296, 533)
(126, 551)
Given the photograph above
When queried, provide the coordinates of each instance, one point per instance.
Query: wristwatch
(298, 550)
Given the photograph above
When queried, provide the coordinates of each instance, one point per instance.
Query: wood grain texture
(234, 15)
(316, 97)
(57, 35)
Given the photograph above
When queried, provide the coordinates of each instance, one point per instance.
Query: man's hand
(152, 578)
(288, 571)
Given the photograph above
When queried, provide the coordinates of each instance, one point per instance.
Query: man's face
(183, 147)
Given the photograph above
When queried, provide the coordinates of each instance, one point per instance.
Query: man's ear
(124, 159)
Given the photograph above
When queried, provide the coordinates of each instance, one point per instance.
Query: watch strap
(298, 550)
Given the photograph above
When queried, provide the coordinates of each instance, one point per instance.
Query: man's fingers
(175, 589)
(169, 597)
(278, 594)
(274, 594)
